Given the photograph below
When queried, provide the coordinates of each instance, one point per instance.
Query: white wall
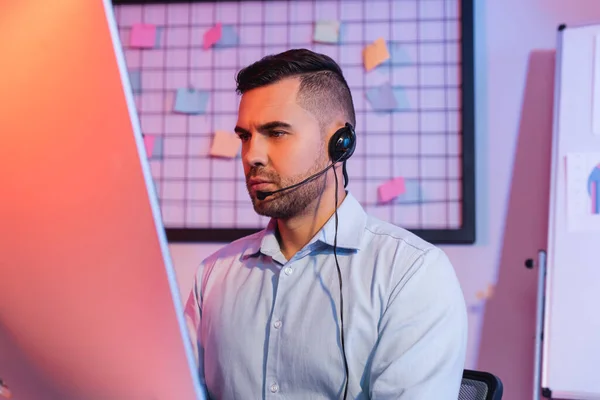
(513, 108)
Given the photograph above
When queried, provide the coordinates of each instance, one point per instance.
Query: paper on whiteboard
(583, 191)
(596, 88)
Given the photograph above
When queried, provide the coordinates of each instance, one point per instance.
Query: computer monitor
(89, 304)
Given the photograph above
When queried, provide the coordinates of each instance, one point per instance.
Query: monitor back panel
(88, 303)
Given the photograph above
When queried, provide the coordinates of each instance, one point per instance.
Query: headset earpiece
(342, 143)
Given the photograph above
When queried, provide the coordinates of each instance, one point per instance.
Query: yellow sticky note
(225, 144)
(375, 53)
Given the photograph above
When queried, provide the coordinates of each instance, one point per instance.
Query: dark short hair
(323, 89)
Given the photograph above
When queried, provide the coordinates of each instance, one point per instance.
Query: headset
(341, 147)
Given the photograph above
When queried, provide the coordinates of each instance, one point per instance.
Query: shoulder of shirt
(227, 254)
(410, 254)
(410, 247)
(234, 249)
(394, 233)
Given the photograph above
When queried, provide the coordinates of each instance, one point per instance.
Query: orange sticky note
(212, 36)
(485, 294)
(391, 189)
(375, 53)
(142, 36)
(225, 144)
(149, 144)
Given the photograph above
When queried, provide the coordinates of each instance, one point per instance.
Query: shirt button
(274, 388)
(288, 271)
(277, 324)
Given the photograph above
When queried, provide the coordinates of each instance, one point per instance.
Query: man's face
(282, 145)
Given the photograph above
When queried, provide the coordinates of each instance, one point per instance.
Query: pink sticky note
(391, 189)
(212, 36)
(142, 36)
(225, 144)
(149, 144)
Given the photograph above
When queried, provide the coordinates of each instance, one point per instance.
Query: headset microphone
(264, 195)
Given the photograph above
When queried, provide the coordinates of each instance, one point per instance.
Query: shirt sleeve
(422, 334)
(193, 318)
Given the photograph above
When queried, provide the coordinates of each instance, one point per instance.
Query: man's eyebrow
(241, 131)
(264, 127)
(273, 125)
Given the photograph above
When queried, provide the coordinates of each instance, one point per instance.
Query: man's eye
(277, 133)
(244, 137)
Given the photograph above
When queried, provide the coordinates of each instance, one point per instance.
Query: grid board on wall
(426, 138)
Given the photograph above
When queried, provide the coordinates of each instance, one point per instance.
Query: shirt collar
(352, 220)
(265, 242)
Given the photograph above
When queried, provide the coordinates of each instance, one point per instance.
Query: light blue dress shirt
(264, 327)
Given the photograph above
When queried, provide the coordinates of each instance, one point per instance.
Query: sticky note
(485, 294)
(399, 55)
(401, 97)
(135, 79)
(375, 54)
(413, 192)
(382, 98)
(593, 183)
(225, 144)
(327, 32)
(229, 37)
(190, 101)
(157, 151)
(159, 31)
(475, 308)
(142, 36)
(212, 36)
(390, 189)
(153, 146)
(149, 144)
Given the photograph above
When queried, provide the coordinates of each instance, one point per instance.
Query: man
(265, 313)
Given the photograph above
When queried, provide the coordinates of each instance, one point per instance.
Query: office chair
(479, 385)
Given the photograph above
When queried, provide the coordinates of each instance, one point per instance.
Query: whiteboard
(426, 138)
(571, 348)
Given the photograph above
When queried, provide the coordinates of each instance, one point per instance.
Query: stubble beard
(293, 202)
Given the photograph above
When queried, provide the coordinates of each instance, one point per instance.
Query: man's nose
(255, 151)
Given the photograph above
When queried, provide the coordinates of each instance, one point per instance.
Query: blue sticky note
(476, 308)
(413, 193)
(593, 188)
(229, 37)
(597, 199)
(159, 31)
(382, 98)
(135, 79)
(190, 101)
(402, 102)
(326, 31)
(398, 56)
(343, 31)
(157, 150)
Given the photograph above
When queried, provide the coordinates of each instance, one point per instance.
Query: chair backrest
(480, 385)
